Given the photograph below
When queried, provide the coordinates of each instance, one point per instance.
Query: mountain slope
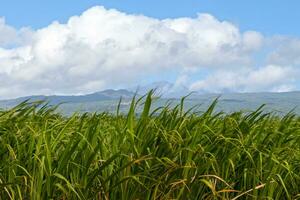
(107, 100)
(55, 99)
(164, 89)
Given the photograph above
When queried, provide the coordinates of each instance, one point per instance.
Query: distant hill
(107, 100)
(55, 99)
(164, 89)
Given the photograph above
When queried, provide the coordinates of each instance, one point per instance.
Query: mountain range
(107, 100)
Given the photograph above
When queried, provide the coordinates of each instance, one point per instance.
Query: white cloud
(10, 37)
(106, 48)
(252, 40)
(287, 51)
(7, 33)
(269, 78)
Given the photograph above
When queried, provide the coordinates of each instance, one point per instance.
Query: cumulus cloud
(252, 40)
(269, 78)
(287, 51)
(104, 48)
(7, 33)
(10, 37)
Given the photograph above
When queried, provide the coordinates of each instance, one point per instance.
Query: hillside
(108, 100)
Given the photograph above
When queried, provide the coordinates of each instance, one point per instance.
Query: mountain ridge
(107, 100)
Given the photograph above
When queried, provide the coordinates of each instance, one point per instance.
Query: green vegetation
(167, 153)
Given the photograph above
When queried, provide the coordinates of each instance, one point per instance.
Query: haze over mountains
(107, 100)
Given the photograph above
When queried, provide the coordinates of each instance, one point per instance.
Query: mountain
(107, 100)
(55, 99)
(164, 89)
(114, 94)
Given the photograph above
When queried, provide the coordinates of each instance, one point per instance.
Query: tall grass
(167, 153)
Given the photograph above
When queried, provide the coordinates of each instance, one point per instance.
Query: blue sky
(266, 16)
(205, 45)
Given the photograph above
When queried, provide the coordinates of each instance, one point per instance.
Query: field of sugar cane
(167, 153)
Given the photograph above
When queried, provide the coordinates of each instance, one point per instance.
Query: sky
(210, 46)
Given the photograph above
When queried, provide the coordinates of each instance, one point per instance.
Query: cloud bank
(104, 48)
(270, 78)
